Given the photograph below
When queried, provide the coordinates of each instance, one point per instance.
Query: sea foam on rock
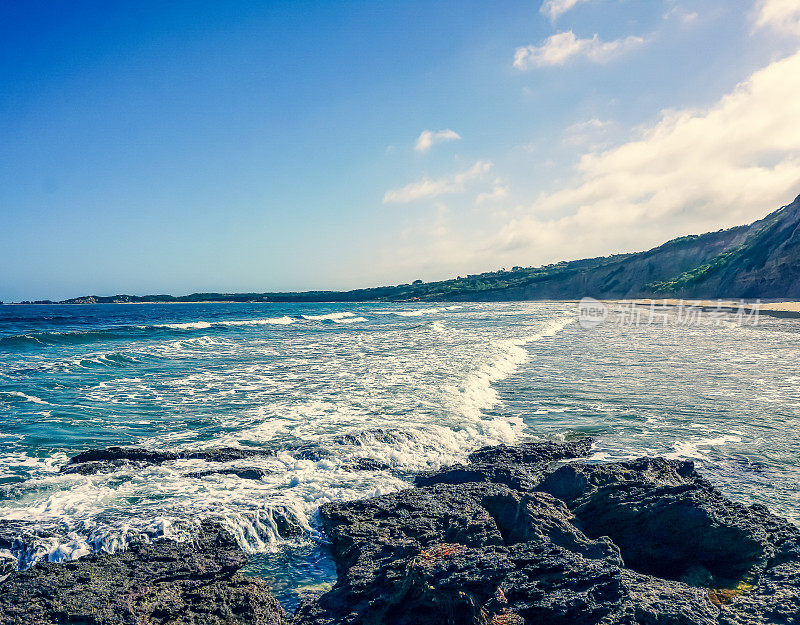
(509, 539)
(151, 583)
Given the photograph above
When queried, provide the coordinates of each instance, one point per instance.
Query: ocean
(352, 400)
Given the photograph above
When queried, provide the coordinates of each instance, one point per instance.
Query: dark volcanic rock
(531, 453)
(111, 458)
(246, 473)
(666, 520)
(158, 583)
(224, 454)
(506, 539)
(113, 454)
(520, 467)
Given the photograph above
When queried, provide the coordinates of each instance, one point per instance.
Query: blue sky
(248, 146)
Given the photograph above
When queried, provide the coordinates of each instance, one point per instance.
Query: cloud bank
(780, 15)
(693, 170)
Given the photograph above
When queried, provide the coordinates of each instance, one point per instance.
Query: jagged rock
(110, 459)
(520, 467)
(156, 583)
(224, 454)
(670, 523)
(99, 466)
(113, 454)
(666, 520)
(507, 539)
(531, 453)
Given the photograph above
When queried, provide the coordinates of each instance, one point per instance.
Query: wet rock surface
(157, 583)
(519, 535)
(111, 458)
(510, 538)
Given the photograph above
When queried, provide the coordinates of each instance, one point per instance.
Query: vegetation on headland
(416, 291)
(752, 253)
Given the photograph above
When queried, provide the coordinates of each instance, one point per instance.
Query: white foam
(435, 388)
(476, 394)
(285, 320)
(26, 397)
(349, 320)
(550, 410)
(425, 311)
(329, 316)
(194, 325)
(419, 312)
(202, 325)
(685, 450)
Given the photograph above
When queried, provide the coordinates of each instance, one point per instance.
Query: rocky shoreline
(517, 535)
(160, 582)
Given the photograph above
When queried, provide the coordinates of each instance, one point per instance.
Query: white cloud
(780, 15)
(692, 171)
(555, 8)
(682, 15)
(428, 188)
(428, 138)
(561, 47)
(499, 192)
(590, 131)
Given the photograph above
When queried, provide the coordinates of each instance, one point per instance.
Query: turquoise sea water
(416, 385)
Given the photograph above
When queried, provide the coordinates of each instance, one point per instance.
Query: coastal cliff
(517, 535)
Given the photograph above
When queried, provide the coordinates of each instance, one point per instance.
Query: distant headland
(759, 260)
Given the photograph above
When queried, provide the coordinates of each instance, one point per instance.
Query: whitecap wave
(477, 394)
(203, 325)
(272, 321)
(19, 395)
(419, 312)
(192, 325)
(349, 320)
(329, 317)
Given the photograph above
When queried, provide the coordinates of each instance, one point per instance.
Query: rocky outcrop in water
(164, 582)
(111, 458)
(508, 539)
